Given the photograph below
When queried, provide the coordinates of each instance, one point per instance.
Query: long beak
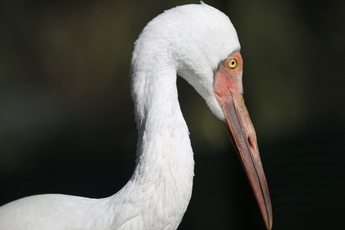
(228, 92)
(242, 133)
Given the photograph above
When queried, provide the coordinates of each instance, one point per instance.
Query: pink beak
(228, 91)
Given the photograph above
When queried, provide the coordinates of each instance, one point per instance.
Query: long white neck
(163, 141)
(161, 186)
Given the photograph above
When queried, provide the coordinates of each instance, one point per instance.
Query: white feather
(189, 41)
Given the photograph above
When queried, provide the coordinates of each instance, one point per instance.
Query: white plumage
(192, 41)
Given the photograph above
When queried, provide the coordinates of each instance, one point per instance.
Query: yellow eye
(232, 63)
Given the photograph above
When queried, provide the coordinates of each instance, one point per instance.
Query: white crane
(198, 43)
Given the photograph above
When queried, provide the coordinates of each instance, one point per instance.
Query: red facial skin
(229, 94)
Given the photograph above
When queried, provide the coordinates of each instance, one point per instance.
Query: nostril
(250, 142)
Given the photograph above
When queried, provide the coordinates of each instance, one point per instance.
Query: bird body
(190, 41)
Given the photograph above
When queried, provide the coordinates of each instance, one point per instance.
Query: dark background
(67, 124)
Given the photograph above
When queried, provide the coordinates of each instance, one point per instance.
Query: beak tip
(269, 220)
(269, 226)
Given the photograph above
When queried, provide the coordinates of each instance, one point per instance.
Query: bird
(198, 43)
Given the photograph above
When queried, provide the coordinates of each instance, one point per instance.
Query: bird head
(201, 44)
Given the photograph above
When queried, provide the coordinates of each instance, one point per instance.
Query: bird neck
(163, 141)
(161, 184)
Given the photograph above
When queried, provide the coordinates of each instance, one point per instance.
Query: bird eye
(232, 63)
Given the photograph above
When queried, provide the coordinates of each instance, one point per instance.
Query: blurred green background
(66, 115)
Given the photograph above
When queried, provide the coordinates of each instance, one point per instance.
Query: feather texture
(189, 41)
